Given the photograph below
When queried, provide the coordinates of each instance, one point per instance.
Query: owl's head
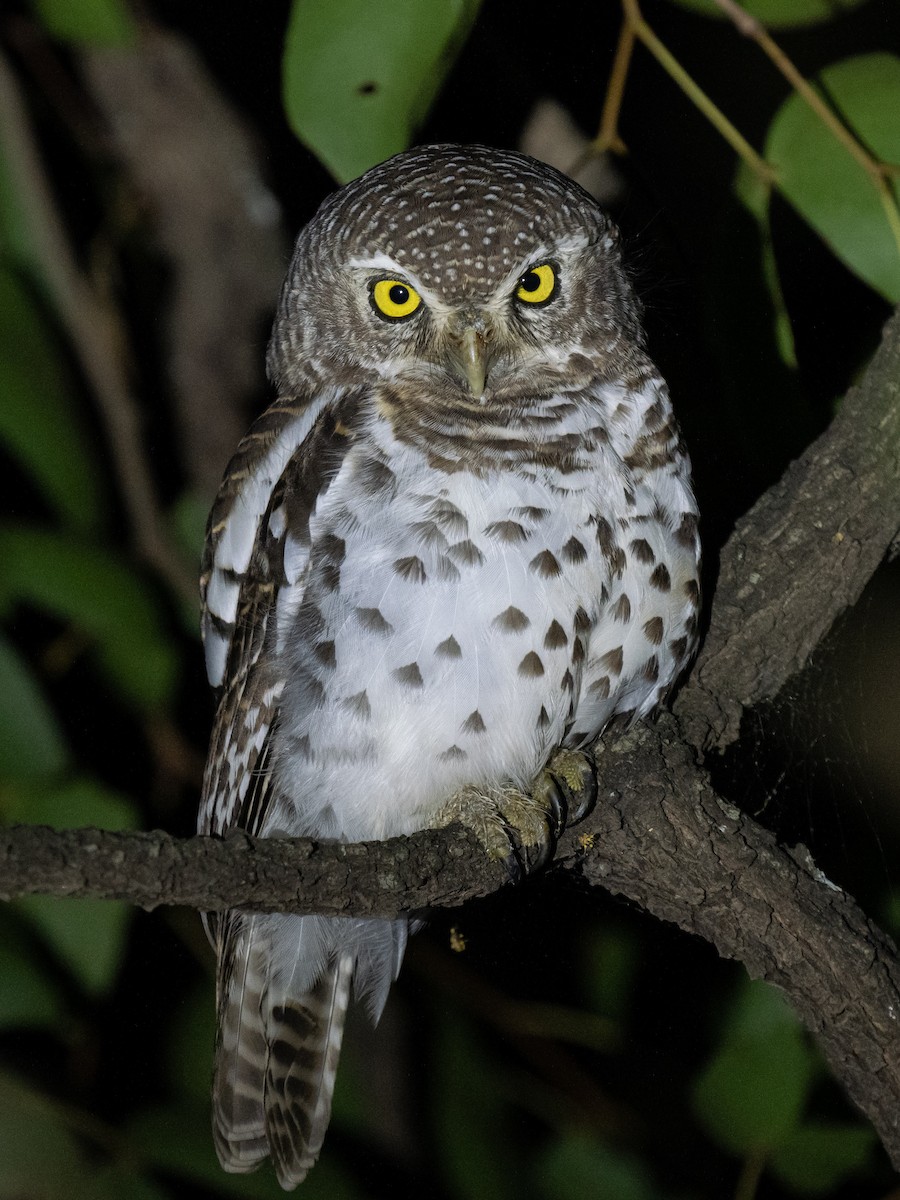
(479, 273)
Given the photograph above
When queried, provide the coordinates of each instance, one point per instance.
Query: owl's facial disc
(481, 335)
(465, 335)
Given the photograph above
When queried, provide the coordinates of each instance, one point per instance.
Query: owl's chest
(453, 628)
(447, 641)
(491, 554)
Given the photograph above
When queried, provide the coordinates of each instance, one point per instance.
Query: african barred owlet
(459, 542)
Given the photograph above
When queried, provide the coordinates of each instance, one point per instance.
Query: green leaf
(611, 959)
(31, 743)
(187, 524)
(38, 416)
(359, 77)
(39, 1156)
(87, 22)
(892, 912)
(576, 1165)
(87, 935)
(823, 180)
(27, 996)
(191, 1040)
(779, 14)
(750, 1097)
(42, 1153)
(187, 520)
(102, 597)
(818, 1158)
(470, 1115)
(71, 805)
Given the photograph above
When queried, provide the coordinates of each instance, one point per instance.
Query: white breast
(452, 645)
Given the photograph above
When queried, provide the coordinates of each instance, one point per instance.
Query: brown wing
(231, 555)
(263, 509)
(270, 489)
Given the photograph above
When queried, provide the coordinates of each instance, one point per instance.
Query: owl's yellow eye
(394, 299)
(537, 285)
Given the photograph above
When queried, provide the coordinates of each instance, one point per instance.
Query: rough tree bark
(660, 834)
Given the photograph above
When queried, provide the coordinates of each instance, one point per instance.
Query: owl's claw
(567, 787)
(522, 830)
(523, 857)
(513, 827)
(551, 796)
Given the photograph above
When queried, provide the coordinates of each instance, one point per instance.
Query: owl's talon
(582, 767)
(524, 858)
(567, 787)
(514, 869)
(552, 798)
(515, 828)
(522, 830)
(515, 863)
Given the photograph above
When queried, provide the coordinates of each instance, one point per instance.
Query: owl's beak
(469, 357)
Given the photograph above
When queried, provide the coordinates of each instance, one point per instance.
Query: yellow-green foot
(567, 788)
(520, 829)
(512, 826)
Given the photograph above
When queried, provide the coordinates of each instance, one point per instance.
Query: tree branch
(435, 868)
(670, 844)
(660, 835)
(803, 554)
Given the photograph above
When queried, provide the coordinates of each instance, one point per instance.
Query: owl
(458, 544)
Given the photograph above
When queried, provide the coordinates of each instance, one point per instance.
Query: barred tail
(304, 1048)
(284, 987)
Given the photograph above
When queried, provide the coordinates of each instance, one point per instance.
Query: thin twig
(95, 333)
(608, 136)
(877, 172)
(536, 1030)
(519, 1018)
(694, 92)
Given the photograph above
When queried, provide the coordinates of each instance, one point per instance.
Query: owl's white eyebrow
(378, 262)
(384, 263)
(572, 243)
